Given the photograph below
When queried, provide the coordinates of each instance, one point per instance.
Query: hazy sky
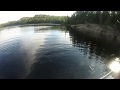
(6, 16)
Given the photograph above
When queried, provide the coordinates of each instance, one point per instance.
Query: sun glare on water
(115, 65)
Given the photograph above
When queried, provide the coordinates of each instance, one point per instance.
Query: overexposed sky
(6, 16)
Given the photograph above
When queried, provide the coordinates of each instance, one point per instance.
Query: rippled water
(53, 52)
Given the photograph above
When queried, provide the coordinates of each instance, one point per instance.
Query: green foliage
(95, 17)
(37, 19)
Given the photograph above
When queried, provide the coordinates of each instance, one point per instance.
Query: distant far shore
(41, 24)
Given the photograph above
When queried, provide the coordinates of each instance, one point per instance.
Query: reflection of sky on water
(10, 34)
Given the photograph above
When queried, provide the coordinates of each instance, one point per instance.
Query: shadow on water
(98, 46)
(51, 67)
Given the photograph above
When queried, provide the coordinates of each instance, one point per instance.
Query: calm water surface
(52, 52)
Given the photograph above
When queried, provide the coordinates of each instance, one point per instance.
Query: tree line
(111, 18)
(37, 19)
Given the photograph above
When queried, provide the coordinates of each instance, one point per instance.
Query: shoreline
(42, 24)
(97, 31)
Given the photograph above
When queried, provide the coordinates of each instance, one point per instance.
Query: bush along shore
(97, 31)
(97, 24)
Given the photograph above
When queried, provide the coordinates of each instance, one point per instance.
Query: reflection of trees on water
(45, 29)
(97, 50)
(94, 47)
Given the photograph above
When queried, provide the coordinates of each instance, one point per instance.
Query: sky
(6, 16)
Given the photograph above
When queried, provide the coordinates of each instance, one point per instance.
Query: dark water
(53, 52)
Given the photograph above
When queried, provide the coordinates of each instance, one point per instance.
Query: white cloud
(6, 16)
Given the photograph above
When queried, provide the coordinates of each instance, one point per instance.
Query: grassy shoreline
(97, 31)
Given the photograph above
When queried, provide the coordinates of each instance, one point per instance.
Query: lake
(53, 52)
